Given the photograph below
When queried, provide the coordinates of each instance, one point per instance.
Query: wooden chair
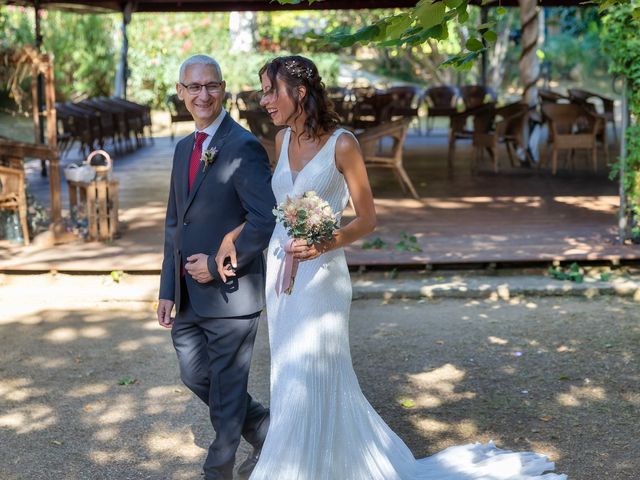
(476, 95)
(376, 155)
(13, 196)
(458, 128)
(178, 112)
(372, 110)
(571, 127)
(406, 101)
(608, 107)
(340, 97)
(551, 96)
(248, 100)
(509, 129)
(265, 131)
(441, 102)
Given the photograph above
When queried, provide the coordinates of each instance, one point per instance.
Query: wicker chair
(476, 95)
(551, 96)
(376, 157)
(441, 102)
(13, 196)
(608, 108)
(571, 127)
(178, 111)
(489, 133)
(265, 131)
(248, 100)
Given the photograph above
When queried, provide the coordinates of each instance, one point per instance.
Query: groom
(219, 180)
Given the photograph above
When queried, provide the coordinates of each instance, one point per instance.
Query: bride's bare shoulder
(346, 144)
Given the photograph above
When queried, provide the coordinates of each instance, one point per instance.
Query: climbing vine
(621, 42)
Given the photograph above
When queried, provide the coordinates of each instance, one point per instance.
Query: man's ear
(180, 91)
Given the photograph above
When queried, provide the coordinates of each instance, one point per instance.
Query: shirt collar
(213, 126)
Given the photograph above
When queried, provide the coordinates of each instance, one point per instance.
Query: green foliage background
(87, 47)
(82, 46)
(622, 43)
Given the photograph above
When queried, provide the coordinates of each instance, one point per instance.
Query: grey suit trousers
(214, 356)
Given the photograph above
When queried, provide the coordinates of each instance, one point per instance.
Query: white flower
(208, 157)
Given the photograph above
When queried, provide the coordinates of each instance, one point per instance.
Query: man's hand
(197, 267)
(164, 313)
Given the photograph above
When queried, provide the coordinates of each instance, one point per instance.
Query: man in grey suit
(220, 180)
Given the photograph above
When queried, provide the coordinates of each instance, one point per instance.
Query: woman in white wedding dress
(322, 427)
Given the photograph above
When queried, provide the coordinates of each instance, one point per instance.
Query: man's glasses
(195, 88)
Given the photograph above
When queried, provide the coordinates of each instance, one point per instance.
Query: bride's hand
(302, 251)
(227, 250)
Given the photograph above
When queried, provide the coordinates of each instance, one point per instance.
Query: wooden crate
(100, 200)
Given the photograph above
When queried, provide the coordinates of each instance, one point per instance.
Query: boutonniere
(208, 157)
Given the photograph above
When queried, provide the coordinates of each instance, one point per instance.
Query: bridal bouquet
(308, 217)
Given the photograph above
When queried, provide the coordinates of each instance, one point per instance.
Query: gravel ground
(556, 375)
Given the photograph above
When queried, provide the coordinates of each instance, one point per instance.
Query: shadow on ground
(92, 392)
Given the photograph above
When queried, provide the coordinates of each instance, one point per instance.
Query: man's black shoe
(246, 468)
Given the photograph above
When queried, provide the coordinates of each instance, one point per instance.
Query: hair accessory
(298, 70)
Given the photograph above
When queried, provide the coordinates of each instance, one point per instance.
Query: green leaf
(453, 3)
(486, 26)
(407, 403)
(367, 34)
(127, 381)
(430, 14)
(398, 26)
(490, 36)
(463, 14)
(376, 244)
(501, 10)
(474, 45)
(117, 275)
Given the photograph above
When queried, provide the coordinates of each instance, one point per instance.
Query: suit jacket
(234, 189)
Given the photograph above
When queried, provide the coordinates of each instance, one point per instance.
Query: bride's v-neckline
(299, 172)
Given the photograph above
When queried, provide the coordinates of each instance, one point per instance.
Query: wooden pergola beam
(96, 6)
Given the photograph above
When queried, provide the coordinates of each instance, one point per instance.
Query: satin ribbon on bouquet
(288, 269)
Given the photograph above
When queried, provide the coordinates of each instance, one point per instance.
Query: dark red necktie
(195, 157)
(194, 164)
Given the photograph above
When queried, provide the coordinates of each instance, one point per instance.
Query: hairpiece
(297, 70)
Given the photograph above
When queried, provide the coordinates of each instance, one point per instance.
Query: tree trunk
(242, 26)
(497, 62)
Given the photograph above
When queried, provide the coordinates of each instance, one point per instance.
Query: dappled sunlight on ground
(96, 382)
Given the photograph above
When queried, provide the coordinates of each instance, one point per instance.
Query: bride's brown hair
(297, 71)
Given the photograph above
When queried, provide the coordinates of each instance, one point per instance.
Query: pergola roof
(246, 5)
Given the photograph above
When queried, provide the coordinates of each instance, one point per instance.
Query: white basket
(80, 173)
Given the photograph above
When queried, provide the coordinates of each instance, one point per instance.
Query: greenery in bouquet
(307, 216)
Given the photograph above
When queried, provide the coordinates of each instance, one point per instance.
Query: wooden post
(114, 204)
(91, 211)
(35, 95)
(52, 142)
(622, 212)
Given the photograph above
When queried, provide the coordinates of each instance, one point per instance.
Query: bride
(322, 427)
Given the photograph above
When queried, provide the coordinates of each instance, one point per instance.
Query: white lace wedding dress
(322, 427)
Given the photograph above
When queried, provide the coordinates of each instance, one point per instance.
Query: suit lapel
(216, 141)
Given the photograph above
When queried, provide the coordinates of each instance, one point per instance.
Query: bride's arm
(226, 250)
(350, 162)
